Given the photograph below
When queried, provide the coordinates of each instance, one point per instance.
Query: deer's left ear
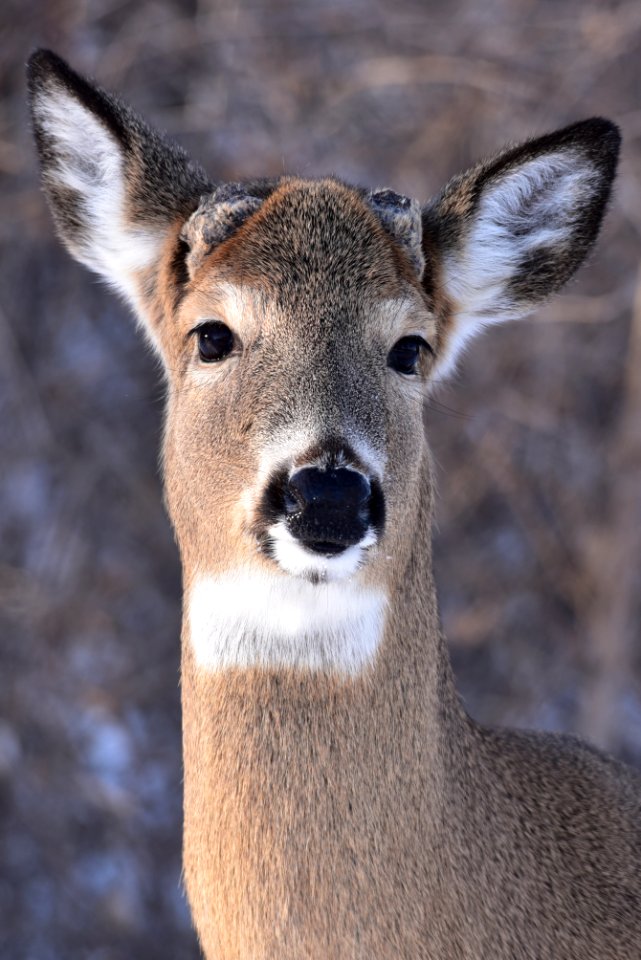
(505, 235)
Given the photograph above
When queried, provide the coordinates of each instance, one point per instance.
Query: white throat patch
(249, 619)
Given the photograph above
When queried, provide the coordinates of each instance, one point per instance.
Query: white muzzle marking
(293, 558)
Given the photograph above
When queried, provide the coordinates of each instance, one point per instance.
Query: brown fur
(329, 815)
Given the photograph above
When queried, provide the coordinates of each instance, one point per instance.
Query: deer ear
(115, 187)
(508, 233)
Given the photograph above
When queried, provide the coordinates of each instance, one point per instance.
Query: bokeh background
(538, 439)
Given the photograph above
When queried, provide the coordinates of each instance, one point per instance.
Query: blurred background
(538, 439)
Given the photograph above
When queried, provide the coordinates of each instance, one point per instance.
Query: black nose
(328, 510)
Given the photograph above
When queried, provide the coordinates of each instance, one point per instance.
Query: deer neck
(288, 772)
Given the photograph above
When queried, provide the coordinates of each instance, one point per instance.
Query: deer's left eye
(215, 341)
(406, 353)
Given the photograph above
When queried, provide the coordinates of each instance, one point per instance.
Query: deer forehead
(313, 246)
(302, 228)
(312, 259)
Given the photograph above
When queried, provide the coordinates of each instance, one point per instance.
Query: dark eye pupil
(215, 341)
(404, 355)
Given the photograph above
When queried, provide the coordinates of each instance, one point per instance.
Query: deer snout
(328, 511)
(319, 521)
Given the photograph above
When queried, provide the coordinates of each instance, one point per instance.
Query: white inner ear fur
(531, 207)
(89, 162)
(247, 619)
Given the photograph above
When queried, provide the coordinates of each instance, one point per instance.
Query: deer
(339, 802)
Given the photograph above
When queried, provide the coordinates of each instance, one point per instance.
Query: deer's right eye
(215, 341)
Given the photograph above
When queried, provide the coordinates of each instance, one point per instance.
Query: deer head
(300, 324)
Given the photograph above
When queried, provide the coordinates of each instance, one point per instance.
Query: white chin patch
(293, 558)
(247, 618)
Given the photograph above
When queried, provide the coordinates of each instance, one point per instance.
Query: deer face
(301, 350)
(300, 324)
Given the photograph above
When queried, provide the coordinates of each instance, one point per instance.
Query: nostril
(292, 501)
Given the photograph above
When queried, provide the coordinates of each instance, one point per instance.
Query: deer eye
(215, 341)
(406, 353)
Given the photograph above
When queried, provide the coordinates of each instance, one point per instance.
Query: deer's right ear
(116, 188)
